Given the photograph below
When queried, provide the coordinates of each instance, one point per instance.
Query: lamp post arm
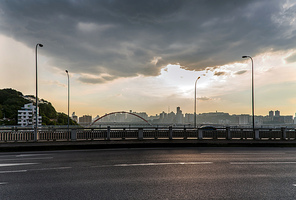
(253, 109)
(195, 102)
(36, 110)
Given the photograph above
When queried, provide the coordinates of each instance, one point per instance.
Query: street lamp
(68, 96)
(195, 103)
(253, 117)
(36, 125)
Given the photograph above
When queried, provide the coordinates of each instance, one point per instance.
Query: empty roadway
(150, 173)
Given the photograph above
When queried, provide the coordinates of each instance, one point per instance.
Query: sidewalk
(103, 144)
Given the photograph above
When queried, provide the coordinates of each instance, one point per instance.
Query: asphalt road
(155, 173)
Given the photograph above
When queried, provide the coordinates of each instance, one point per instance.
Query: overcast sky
(146, 55)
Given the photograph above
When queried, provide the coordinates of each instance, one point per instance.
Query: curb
(102, 144)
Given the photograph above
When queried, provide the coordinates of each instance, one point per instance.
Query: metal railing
(18, 134)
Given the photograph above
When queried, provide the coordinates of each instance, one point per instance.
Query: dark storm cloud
(125, 38)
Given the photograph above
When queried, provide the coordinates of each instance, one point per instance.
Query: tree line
(12, 100)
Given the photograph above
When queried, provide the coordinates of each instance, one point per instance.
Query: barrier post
(170, 132)
(200, 135)
(257, 135)
(108, 133)
(185, 134)
(73, 134)
(140, 134)
(228, 135)
(284, 133)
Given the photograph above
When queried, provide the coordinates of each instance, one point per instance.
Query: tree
(11, 101)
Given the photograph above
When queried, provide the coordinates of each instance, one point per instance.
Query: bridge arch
(120, 112)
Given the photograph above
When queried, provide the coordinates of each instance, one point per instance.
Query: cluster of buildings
(221, 118)
(27, 117)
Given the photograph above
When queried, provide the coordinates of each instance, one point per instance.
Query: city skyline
(144, 114)
(272, 118)
(146, 56)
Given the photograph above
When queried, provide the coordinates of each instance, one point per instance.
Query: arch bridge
(120, 112)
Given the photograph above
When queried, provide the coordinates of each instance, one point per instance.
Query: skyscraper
(179, 116)
(271, 113)
(277, 113)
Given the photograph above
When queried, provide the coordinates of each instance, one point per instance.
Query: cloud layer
(104, 40)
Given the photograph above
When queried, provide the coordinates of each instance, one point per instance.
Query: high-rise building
(271, 113)
(179, 116)
(277, 113)
(27, 115)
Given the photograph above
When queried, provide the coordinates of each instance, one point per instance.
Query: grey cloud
(204, 99)
(291, 58)
(122, 37)
(95, 80)
(219, 73)
(240, 72)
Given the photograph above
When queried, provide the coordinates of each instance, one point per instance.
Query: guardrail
(18, 134)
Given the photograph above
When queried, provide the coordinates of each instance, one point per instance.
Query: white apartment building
(27, 115)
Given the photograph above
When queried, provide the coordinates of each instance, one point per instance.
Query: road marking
(157, 164)
(260, 163)
(53, 168)
(42, 169)
(29, 155)
(16, 171)
(41, 158)
(3, 183)
(294, 185)
(16, 164)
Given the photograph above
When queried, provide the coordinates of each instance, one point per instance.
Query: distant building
(243, 119)
(171, 117)
(74, 117)
(177, 119)
(179, 116)
(27, 115)
(85, 120)
(277, 113)
(163, 117)
(189, 118)
(288, 119)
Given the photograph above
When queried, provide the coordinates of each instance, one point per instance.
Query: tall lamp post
(253, 117)
(68, 97)
(195, 102)
(36, 125)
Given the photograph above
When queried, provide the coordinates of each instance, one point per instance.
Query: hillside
(11, 101)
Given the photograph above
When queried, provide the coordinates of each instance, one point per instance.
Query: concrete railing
(169, 133)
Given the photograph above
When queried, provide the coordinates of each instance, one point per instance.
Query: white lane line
(15, 171)
(41, 169)
(30, 155)
(16, 164)
(157, 164)
(41, 158)
(3, 183)
(294, 185)
(260, 163)
(53, 168)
